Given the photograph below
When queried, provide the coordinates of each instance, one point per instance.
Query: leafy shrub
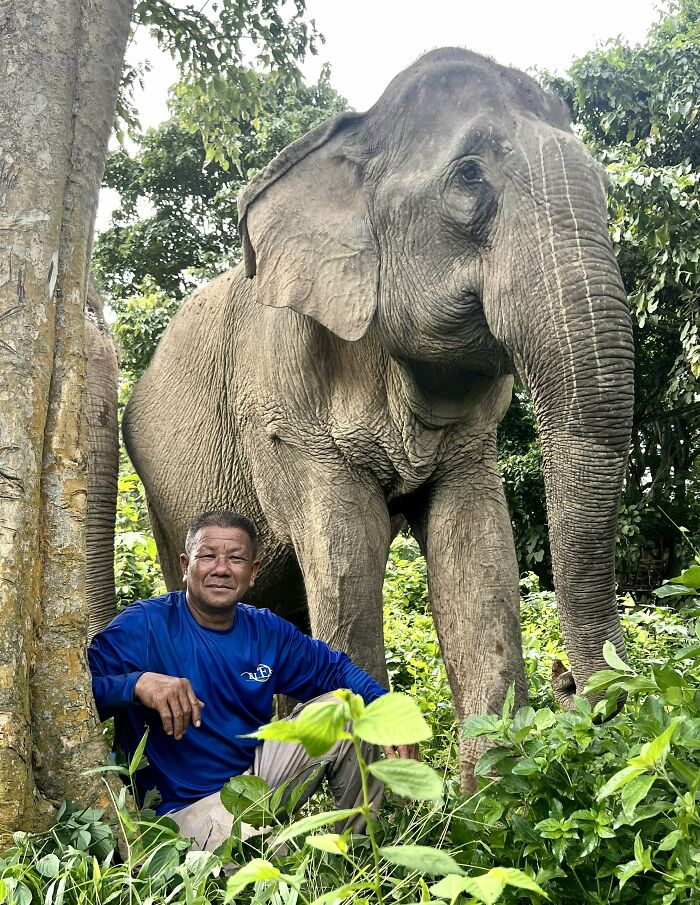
(598, 812)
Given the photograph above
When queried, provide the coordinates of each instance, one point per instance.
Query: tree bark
(60, 62)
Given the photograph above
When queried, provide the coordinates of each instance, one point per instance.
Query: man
(200, 669)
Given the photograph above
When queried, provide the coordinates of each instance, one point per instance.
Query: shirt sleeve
(308, 667)
(117, 657)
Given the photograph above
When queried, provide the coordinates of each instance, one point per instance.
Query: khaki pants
(209, 823)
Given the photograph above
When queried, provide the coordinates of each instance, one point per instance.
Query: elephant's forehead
(439, 89)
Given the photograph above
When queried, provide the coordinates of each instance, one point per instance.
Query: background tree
(190, 232)
(60, 66)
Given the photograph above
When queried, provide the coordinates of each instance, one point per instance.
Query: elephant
(401, 266)
(102, 444)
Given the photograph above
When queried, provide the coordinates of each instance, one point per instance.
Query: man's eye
(236, 559)
(207, 556)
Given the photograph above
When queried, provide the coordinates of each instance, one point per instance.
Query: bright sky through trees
(369, 41)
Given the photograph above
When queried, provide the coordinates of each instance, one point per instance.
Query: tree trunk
(60, 62)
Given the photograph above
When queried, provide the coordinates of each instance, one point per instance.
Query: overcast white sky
(369, 41)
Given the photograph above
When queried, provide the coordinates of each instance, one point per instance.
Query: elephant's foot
(563, 685)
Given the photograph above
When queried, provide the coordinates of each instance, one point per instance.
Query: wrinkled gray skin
(407, 262)
(102, 376)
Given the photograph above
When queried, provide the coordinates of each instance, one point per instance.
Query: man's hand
(174, 700)
(406, 752)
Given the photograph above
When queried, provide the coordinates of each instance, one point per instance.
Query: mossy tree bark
(60, 63)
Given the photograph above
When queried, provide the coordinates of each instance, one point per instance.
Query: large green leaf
(612, 658)
(393, 719)
(655, 752)
(317, 728)
(421, 858)
(333, 843)
(246, 797)
(690, 578)
(252, 872)
(309, 824)
(635, 791)
(618, 780)
(488, 887)
(409, 778)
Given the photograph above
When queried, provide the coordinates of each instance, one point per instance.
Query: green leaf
(655, 752)
(135, 762)
(421, 858)
(309, 824)
(488, 887)
(626, 871)
(618, 780)
(317, 728)
(601, 680)
(247, 797)
(491, 759)
(333, 843)
(480, 724)
(252, 872)
(690, 578)
(669, 842)
(673, 590)
(612, 658)
(48, 866)
(509, 701)
(393, 719)
(635, 791)
(409, 778)
(642, 855)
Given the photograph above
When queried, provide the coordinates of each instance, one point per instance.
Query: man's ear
(254, 572)
(306, 230)
(184, 564)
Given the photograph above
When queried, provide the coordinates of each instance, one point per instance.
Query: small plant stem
(582, 887)
(366, 810)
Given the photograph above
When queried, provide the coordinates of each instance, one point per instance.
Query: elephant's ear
(306, 230)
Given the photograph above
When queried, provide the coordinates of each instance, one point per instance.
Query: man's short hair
(221, 518)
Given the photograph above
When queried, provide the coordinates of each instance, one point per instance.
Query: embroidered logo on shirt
(261, 674)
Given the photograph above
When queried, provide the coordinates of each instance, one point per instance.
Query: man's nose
(222, 564)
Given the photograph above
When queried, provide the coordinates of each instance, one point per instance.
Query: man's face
(218, 571)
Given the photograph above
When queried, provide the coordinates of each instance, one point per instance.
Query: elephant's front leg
(473, 585)
(340, 528)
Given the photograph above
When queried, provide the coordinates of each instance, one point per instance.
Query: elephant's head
(462, 220)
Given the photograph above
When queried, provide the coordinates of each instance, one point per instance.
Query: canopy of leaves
(190, 232)
(214, 45)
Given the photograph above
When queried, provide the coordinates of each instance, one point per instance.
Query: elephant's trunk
(573, 349)
(582, 388)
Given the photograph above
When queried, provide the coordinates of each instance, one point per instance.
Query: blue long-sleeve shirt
(234, 671)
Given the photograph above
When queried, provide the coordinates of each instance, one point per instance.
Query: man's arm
(312, 668)
(118, 657)
(308, 668)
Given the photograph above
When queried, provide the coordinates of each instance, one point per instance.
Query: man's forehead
(212, 536)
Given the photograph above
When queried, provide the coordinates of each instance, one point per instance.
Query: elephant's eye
(470, 173)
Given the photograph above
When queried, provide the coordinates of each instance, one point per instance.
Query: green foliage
(141, 321)
(191, 231)
(598, 812)
(413, 653)
(212, 45)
